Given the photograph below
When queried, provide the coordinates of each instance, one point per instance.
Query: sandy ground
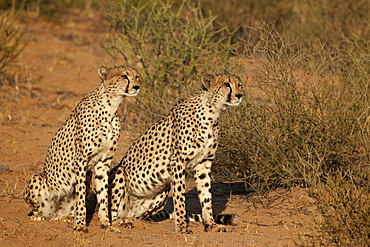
(59, 65)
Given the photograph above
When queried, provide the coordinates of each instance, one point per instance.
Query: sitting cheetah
(185, 139)
(84, 145)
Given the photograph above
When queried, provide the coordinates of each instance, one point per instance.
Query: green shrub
(170, 43)
(328, 22)
(305, 119)
(344, 218)
(51, 9)
(12, 40)
(306, 122)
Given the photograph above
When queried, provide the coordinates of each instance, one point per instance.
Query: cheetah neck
(109, 102)
(203, 102)
(213, 103)
(112, 103)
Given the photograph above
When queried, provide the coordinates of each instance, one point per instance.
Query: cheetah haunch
(84, 144)
(185, 139)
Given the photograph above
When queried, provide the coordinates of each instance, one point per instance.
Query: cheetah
(83, 148)
(186, 139)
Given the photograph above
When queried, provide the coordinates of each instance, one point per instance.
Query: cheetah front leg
(118, 197)
(80, 204)
(179, 198)
(34, 194)
(203, 184)
(203, 180)
(101, 182)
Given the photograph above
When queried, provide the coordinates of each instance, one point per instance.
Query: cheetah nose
(239, 96)
(136, 87)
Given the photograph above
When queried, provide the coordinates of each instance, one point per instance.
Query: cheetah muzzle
(186, 139)
(83, 148)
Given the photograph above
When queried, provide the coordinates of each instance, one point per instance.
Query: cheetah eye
(137, 77)
(239, 85)
(226, 84)
(125, 77)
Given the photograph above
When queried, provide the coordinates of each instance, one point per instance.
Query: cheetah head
(120, 81)
(227, 87)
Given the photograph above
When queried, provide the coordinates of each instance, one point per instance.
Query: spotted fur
(83, 146)
(186, 139)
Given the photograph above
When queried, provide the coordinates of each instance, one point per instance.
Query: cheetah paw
(114, 229)
(209, 227)
(127, 223)
(184, 231)
(37, 218)
(83, 229)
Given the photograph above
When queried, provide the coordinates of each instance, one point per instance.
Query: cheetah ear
(103, 72)
(207, 81)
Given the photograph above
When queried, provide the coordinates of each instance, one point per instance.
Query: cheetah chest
(203, 147)
(104, 142)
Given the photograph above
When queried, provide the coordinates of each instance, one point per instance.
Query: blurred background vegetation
(306, 64)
